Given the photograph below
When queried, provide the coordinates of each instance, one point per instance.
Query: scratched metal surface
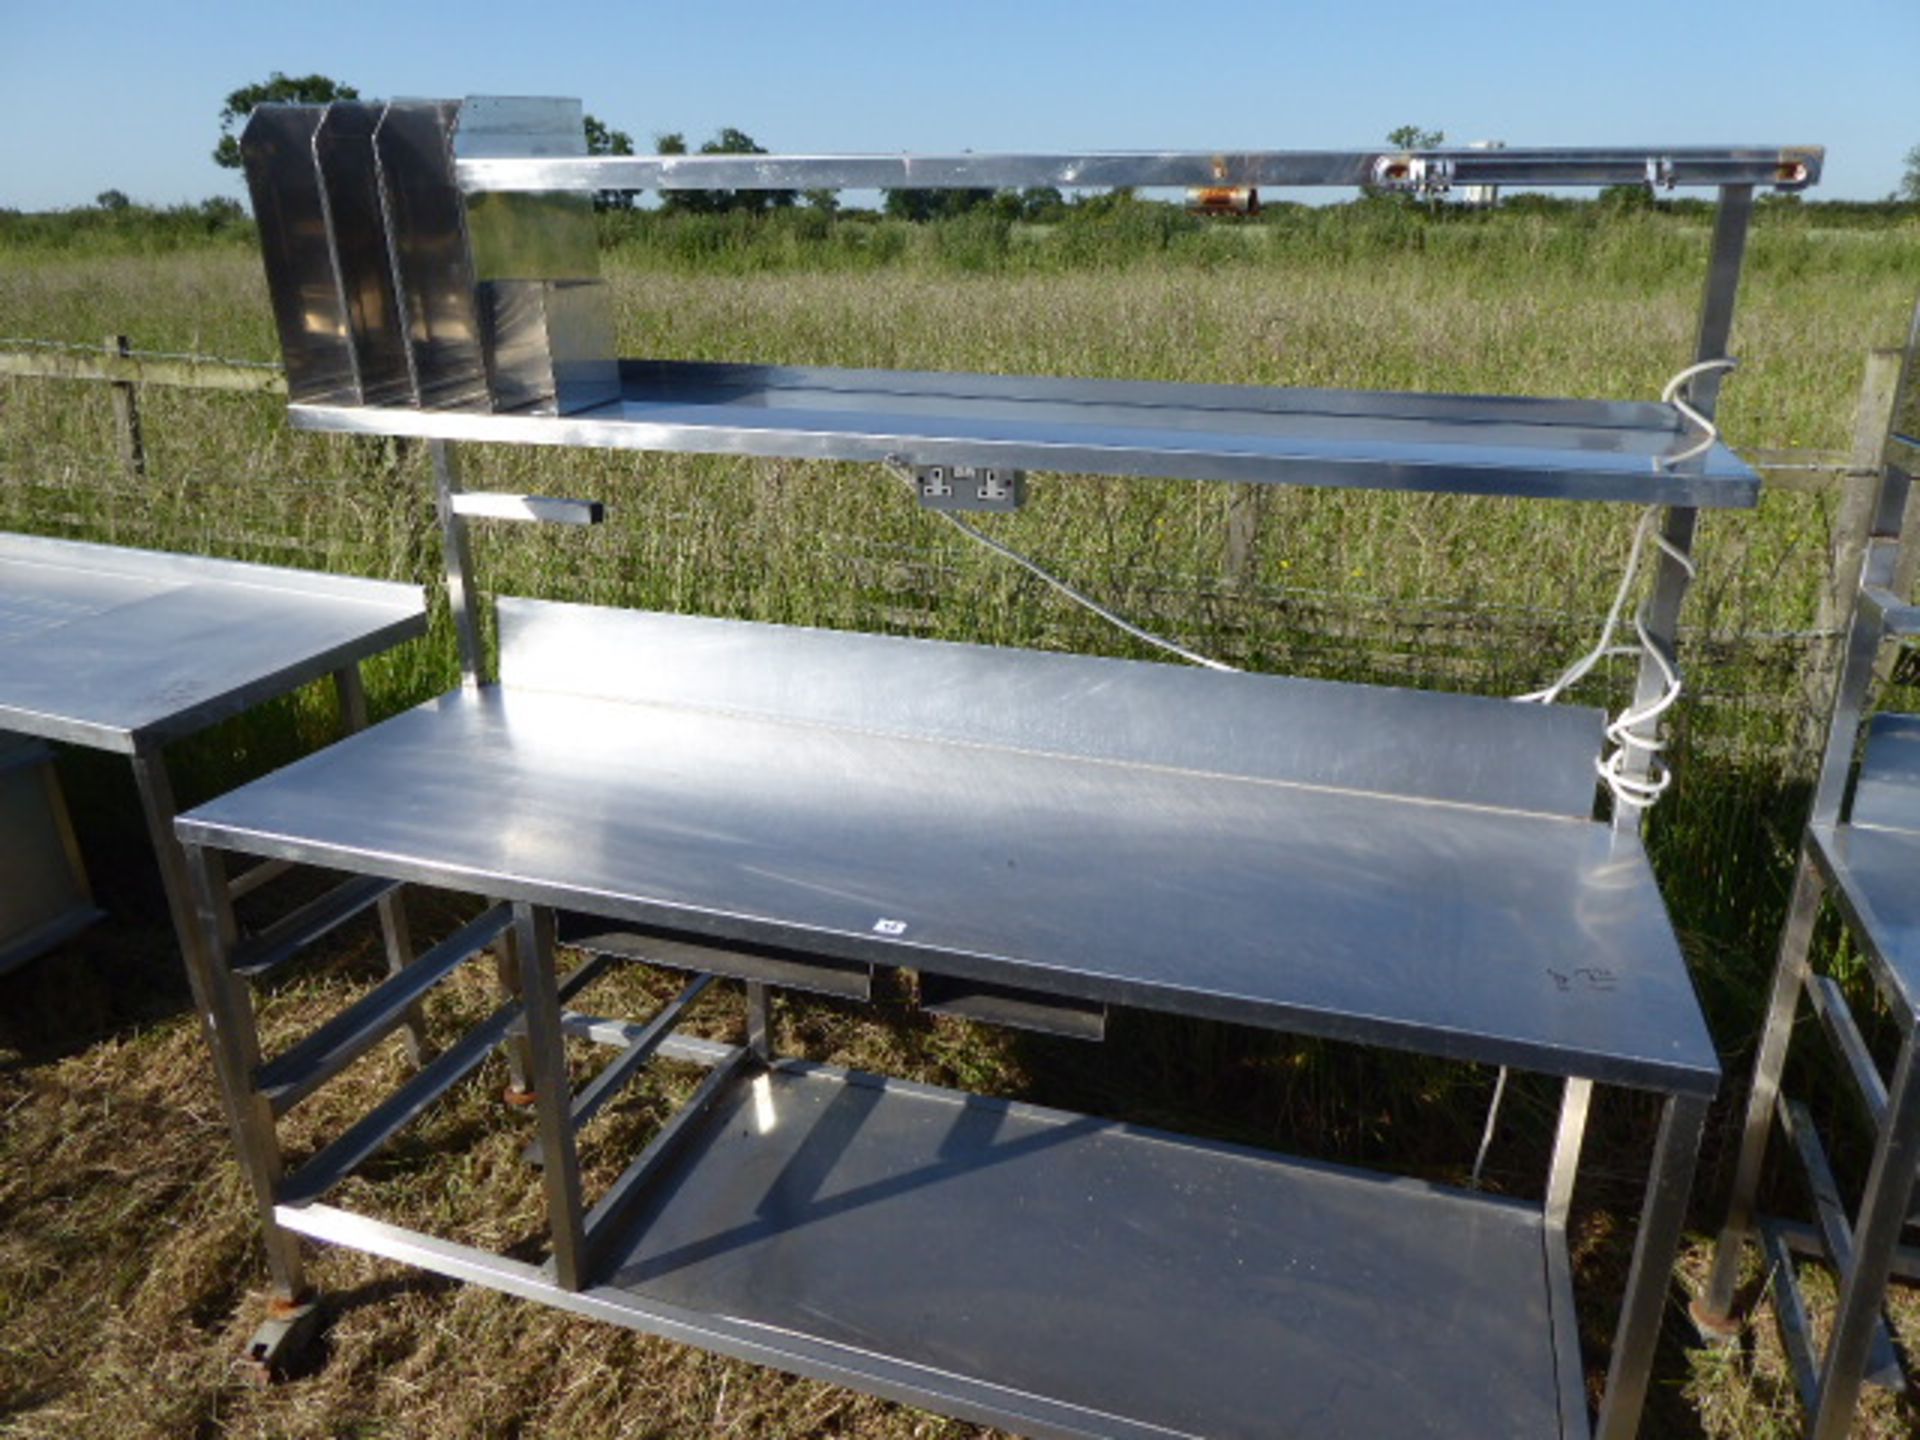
(1448, 928)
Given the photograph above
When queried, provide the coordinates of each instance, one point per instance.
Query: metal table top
(1561, 449)
(791, 1219)
(123, 649)
(1446, 928)
(1873, 860)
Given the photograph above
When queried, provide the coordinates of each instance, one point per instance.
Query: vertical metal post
(226, 1013)
(1712, 1312)
(463, 600)
(1575, 1101)
(126, 416)
(1661, 1216)
(553, 1093)
(1670, 582)
(394, 932)
(506, 969)
(1883, 1214)
(759, 1021)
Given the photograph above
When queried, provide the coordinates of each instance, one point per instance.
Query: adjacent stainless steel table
(126, 650)
(1865, 857)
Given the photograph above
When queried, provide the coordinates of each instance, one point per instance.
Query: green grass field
(126, 1257)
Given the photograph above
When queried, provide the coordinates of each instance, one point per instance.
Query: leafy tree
(921, 205)
(112, 200)
(1412, 137)
(278, 88)
(602, 139)
(729, 141)
(1910, 182)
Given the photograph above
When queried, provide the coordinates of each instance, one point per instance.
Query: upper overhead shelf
(1456, 444)
(434, 270)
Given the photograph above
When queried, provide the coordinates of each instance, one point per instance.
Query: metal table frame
(1865, 1249)
(367, 174)
(69, 697)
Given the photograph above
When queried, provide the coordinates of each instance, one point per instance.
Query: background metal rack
(1864, 854)
(1039, 836)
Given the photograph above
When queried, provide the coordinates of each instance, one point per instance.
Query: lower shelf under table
(1070, 1276)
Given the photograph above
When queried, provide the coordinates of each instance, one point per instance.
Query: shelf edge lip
(1699, 1077)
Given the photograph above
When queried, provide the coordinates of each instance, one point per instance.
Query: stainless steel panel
(1011, 1006)
(277, 146)
(1785, 167)
(1458, 931)
(1875, 876)
(433, 269)
(812, 1193)
(1582, 452)
(546, 317)
(1417, 744)
(119, 648)
(766, 965)
(363, 265)
(1888, 793)
(43, 891)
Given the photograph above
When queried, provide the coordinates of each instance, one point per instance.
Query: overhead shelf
(1474, 445)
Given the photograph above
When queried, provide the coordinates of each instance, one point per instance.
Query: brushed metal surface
(1381, 739)
(350, 193)
(117, 648)
(1459, 931)
(1581, 450)
(1067, 1253)
(284, 183)
(1888, 792)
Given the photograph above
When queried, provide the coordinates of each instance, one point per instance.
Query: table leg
(1883, 1215)
(552, 1093)
(1664, 1211)
(1712, 1312)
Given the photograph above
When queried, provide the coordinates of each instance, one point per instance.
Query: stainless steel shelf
(1483, 445)
(1062, 1253)
(1224, 872)
(126, 649)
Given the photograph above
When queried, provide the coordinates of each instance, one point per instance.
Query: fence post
(1245, 505)
(126, 414)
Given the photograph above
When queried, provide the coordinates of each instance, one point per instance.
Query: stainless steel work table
(127, 650)
(1251, 848)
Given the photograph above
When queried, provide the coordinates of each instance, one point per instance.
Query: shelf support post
(1670, 583)
(463, 600)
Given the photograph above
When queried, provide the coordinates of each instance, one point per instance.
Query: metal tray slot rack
(1864, 856)
(1039, 837)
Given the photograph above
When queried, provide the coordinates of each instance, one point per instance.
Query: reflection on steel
(44, 897)
(1866, 860)
(1040, 837)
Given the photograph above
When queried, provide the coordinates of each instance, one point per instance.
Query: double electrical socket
(970, 487)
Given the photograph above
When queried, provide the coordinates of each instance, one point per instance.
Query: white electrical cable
(1635, 791)
(1486, 1134)
(1670, 395)
(1033, 567)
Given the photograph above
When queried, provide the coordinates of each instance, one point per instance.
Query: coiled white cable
(1670, 395)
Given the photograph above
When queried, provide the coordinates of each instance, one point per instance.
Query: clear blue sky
(94, 96)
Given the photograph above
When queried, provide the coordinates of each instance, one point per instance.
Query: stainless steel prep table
(127, 650)
(1037, 836)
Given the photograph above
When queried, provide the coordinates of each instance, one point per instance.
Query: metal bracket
(1427, 174)
(970, 487)
(1660, 172)
(288, 1329)
(541, 509)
